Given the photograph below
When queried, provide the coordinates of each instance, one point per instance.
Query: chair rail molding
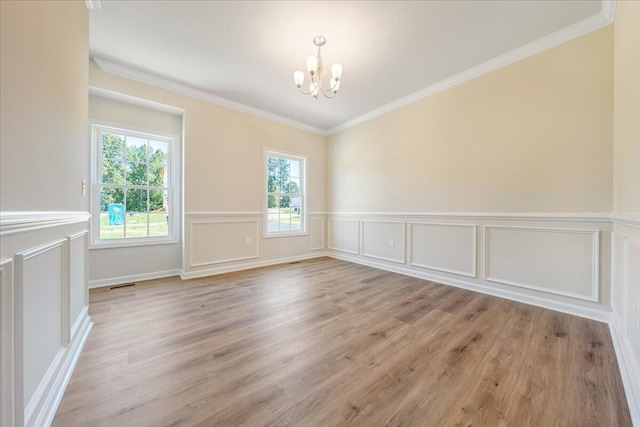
(22, 222)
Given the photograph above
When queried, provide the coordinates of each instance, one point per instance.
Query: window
(285, 194)
(134, 200)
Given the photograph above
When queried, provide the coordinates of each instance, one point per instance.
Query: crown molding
(130, 73)
(605, 17)
(93, 4)
(608, 10)
(569, 33)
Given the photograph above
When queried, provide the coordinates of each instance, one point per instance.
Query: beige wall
(626, 107)
(114, 111)
(535, 136)
(223, 149)
(43, 87)
(44, 154)
(223, 167)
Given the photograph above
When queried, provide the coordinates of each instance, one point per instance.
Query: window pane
(111, 213)
(136, 149)
(271, 184)
(158, 213)
(158, 175)
(283, 175)
(295, 212)
(158, 151)
(112, 146)
(137, 213)
(295, 168)
(136, 173)
(284, 210)
(294, 186)
(112, 171)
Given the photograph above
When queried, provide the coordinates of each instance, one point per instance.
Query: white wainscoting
(42, 294)
(548, 260)
(560, 261)
(7, 381)
(625, 327)
(217, 242)
(317, 234)
(450, 248)
(78, 246)
(383, 240)
(344, 235)
(48, 311)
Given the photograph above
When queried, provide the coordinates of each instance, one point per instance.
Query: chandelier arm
(328, 96)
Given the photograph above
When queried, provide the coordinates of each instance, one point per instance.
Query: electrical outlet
(84, 187)
(392, 243)
(247, 241)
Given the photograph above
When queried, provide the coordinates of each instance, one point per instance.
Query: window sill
(132, 243)
(285, 234)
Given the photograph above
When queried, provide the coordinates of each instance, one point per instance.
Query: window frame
(270, 152)
(173, 188)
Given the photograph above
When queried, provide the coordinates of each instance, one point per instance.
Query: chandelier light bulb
(336, 71)
(312, 64)
(316, 69)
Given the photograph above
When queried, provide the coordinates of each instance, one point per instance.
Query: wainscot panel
(444, 247)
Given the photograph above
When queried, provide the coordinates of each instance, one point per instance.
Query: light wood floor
(326, 342)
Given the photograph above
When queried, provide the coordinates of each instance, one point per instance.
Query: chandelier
(315, 68)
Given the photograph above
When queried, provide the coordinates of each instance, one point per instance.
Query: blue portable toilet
(116, 214)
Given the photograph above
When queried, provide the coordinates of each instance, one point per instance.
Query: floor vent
(122, 286)
(294, 262)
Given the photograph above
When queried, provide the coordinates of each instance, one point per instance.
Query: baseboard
(248, 265)
(588, 313)
(627, 372)
(132, 278)
(43, 406)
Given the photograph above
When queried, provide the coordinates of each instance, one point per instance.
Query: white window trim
(303, 184)
(173, 190)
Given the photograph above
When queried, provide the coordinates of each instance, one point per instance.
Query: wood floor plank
(327, 342)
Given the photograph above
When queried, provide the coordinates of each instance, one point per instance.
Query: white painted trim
(627, 369)
(322, 246)
(7, 385)
(507, 216)
(605, 17)
(93, 4)
(612, 284)
(633, 223)
(569, 33)
(588, 313)
(404, 240)
(201, 264)
(473, 273)
(51, 400)
(22, 222)
(249, 265)
(595, 284)
(330, 245)
(132, 100)
(130, 73)
(111, 281)
(174, 188)
(39, 402)
(304, 161)
(608, 10)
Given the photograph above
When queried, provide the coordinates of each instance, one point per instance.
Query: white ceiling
(247, 51)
